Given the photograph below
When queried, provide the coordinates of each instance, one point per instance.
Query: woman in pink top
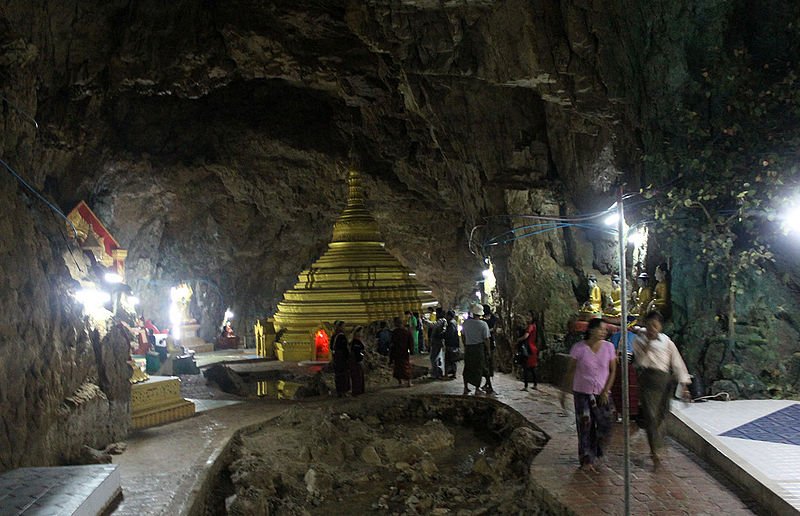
(592, 370)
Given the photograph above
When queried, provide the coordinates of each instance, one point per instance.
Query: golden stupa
(356, 281)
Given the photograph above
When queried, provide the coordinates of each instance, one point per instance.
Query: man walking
(475, 334)
(658, 362)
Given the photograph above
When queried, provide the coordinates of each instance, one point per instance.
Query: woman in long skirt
(341, 359)
(591, 373)
(357, 362)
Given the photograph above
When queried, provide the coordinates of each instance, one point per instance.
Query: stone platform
(60, 491)
(158, 401)
(756, 442)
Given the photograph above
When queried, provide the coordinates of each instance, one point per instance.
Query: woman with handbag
(590, 375)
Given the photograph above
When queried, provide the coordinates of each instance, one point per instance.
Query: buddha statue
(595, 296)
(642, 296)
(661, 301)
(614, 306)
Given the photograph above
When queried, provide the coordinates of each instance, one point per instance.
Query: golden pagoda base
(158, 401)
(296, 352)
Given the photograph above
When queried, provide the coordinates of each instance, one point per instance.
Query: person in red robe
(528, 340)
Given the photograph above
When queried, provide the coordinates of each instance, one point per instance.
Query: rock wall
(213, 138)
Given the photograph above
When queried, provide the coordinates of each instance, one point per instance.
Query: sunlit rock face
(212, 138)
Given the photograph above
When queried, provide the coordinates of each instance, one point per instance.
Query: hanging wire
(17, 108)
(39, 196)
(554, 223)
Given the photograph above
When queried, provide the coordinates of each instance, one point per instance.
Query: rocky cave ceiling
(213, 137)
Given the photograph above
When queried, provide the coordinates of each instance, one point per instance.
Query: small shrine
(154, 399)
(93, 237)
(184, 326)
(356, 280)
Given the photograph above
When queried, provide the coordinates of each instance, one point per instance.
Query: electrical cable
(39, 196)
(16, 107)
(713, 396)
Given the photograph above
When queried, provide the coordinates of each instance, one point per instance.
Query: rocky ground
(389, 455)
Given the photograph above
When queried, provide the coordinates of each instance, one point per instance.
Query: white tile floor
(203, 405)
(775, 465)
(59, 491)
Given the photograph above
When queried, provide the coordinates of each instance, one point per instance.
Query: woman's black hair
(654, 315)
(594, 323)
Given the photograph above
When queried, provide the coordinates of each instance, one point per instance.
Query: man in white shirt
(475, 334)
(658, 364)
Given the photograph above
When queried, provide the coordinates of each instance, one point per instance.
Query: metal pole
(623, 344)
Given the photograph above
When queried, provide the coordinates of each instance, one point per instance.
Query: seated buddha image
(595, 303)
(642, 296)
(661, 299)
(614, 305)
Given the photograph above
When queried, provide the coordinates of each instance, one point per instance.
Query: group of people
(348, 360)
(591, 374)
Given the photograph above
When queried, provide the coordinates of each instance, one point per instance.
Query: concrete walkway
(683, 485)
(163, 467)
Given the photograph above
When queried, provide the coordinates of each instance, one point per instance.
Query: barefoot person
(658, 362)
(591, 373)
(400, 353)
(475, 333)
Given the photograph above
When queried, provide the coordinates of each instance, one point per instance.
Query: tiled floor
(781, 426)
(59, 491)
(761, 436)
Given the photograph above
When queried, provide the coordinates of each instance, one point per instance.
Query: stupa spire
(356, 223)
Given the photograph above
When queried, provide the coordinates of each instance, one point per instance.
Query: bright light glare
(133, 300)
(113, 277)
(228, 314)
(478, 295)
(611, 220)
(637, 238)
(486, 273)
(790, 222)
(91, 297)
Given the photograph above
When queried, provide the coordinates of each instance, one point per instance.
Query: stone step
(59, 491)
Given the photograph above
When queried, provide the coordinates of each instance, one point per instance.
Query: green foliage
(734, 145)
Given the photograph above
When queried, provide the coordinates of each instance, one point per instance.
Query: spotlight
(228, 314)
(637, 238)
(133, 300)
(91, 297)
(486, 273)
(611, 220)
(790, 221)
(113, 277)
